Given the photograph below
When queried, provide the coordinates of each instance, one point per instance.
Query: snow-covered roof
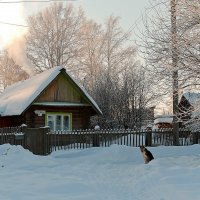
(192, 97)
(18, 97)
(163, 119)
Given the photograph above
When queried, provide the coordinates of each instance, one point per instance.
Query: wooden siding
(10, 121)
(67, 98)
(61, 90)
(80, 116)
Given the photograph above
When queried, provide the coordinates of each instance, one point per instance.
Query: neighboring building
(52, 98)
(148, 117)
(189, 106)
(163, 121)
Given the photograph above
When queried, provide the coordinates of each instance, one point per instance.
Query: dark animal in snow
(147, 155)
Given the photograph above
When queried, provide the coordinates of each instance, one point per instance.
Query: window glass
(57, 122)
(50, 122)
(66, 122)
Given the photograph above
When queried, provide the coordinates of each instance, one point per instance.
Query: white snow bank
(112, 173)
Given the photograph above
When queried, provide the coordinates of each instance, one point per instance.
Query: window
(59, 121)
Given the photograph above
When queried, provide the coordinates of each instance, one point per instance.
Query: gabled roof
(192, 97)
(18, 97)
(164, 119)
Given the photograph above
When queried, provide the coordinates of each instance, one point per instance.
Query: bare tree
(61, 36)
(54, 36)
(105, 48)
(91, 59)
(10, 72)
(171, 46)
(114, 77)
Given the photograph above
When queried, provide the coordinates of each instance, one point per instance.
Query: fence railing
(91, 138)
(42, 142)
(12, 135)
(166, 137)
(104, 138)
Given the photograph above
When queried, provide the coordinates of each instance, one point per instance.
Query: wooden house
(189, 106)
(52, 98)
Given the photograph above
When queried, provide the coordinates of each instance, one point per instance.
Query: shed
(163, 121)
(52, 98)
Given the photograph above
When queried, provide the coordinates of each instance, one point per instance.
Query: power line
(28, 1)
(6, 23)
(31, 1)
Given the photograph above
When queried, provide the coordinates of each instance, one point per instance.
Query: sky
(113, 173)
(13, 20)
(129, 12)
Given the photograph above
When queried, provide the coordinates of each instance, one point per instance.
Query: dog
(147, 155)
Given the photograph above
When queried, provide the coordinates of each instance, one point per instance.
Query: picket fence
(42, 141)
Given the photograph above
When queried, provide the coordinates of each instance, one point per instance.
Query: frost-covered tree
(10, 72)
(162, 44)
(54, 36)
(101, 56)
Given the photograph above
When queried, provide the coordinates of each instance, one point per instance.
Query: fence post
(195, 137)
(148, 138)
(95, 139)
(23, 130)
(46, 144)
(35, 139)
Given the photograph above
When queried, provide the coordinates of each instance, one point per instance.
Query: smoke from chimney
(17, 51)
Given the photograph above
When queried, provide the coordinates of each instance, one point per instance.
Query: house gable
(17, 98)
(187, 105)
(61, 89)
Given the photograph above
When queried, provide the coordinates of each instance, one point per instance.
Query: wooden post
(36, 140)
(95, 139)
(46, 144)
(148, 138)
(23, 130)
(195, 137)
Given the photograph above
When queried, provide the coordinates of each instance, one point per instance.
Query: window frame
(62, 114)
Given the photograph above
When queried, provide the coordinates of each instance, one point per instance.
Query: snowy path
(112, 173)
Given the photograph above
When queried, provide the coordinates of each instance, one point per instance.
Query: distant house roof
(192, 97)
(164, 119)
(18, 97)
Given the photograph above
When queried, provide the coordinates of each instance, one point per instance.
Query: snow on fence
(81, 139)
(42, 141)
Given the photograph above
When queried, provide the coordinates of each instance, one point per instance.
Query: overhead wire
(13, 24)
(129, 30)
(27, 1)
(31, 1)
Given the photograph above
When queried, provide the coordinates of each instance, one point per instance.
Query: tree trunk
(175, 71)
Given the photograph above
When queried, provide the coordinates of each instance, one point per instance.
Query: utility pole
(175, 71)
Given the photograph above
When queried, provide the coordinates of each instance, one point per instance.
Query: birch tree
(101, 56)
(54, 36)
(118, 84)
(172, 37)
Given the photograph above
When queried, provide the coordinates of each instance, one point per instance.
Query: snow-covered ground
(108, 173)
